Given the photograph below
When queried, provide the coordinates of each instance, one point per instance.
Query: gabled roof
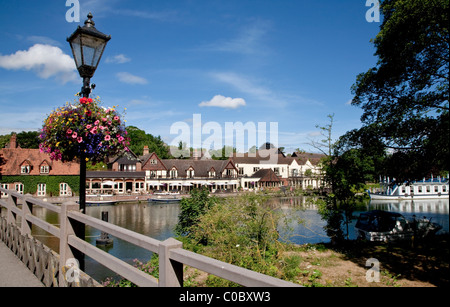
(303, 157)
(265, 156)
(147, 166)
(201, 167)
(125, 157)
(266, 175)
(14, 158)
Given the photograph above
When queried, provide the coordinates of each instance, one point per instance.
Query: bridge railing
(172, 256)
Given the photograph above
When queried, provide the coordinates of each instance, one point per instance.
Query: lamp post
(88, 45)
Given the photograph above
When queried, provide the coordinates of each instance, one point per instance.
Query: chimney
(146, 151)
(195, 155)
(13, 141)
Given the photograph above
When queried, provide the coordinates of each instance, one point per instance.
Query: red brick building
(29, 171)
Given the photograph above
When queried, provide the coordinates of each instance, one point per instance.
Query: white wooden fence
(51, 268)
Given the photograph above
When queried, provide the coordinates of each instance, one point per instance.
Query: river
(159, 220)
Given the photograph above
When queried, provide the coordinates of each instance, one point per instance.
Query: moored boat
(434, 188)
(385, 226)
(165, 198)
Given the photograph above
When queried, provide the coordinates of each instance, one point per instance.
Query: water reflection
(158, 221)
(311, 231)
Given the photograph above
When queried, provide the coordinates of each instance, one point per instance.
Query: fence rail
(172, 256)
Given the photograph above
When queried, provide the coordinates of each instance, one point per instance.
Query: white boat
(165, 197)
(384, 226)
(434, 188)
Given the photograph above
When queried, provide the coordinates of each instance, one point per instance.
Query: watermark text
(373, 13)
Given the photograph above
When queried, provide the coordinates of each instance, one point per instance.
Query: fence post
(10, 215)
(170, 271)
(66, 229)
(27, 208)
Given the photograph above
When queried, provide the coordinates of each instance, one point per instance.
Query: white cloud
(118, 59)
(224, 102)
(45, 60)
(128, 78)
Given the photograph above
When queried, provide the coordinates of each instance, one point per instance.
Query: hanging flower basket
(84, 130)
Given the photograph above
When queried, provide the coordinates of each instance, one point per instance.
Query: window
(276, 170)
(444, 188)
(45, 169)
(6, 187)
(42, 189)
(255, 169)
(191, 173)
(241, 171)
(19, 188)
(153, 162)
(230, 173)
(25, 169)
(436, 189)
(64, 189)
(428, 189)
(173, 173)
(212, 174)
(127, 168)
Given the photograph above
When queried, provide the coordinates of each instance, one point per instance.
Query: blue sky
(290, 61)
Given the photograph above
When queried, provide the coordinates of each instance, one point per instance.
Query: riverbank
(322, 265)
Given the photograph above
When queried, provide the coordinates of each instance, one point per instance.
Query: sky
(194, 64)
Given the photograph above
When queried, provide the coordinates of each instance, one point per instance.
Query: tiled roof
(201, 167)
(266, 175)
(302, 158)
(15, 158)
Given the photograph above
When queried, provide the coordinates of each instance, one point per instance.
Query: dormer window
(173, 173)
(190, 173)
(212, 173)
(45, 169)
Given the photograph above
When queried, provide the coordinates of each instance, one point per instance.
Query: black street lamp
(87, 45)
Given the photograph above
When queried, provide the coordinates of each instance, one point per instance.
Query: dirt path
(400, 265)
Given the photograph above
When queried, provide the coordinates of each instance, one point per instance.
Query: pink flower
(116, 118)
(97, 122)
(121, 139)
(74, 135)
(94, 130)
(88, 127)
(80, 140)
(110, 123)
(107, 138)
(69, 131)
(104, 119)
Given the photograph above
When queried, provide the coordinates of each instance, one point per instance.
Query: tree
(192, 209)
(325, 145)
(139, 138)
(405, 97)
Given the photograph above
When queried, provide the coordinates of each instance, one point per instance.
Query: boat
(167, 197)
(100, 200)
(433, 188)
(385, 226)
